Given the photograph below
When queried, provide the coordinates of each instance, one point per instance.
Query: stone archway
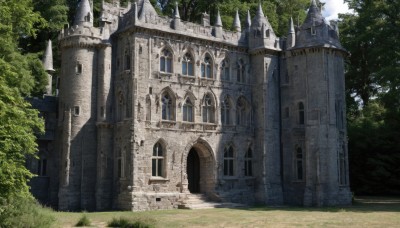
(198, 168)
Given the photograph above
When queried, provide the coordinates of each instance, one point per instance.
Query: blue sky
(333, 7)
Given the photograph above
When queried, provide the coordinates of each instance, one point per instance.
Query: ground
(365, 212)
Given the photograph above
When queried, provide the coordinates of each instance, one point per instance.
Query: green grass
(365, 212)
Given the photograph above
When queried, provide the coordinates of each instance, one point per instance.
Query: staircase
(200, 201)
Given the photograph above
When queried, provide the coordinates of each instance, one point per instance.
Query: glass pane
(162, 64)
(184, 68)
(159, 150)
(169, 66)
(155, 150)
(250, 167)
(203, 71)
(191, 72)
(190, 113)
(226, 167)
(230, 167)
(185, 113)
(300, 170)
(209, 72)
(160, 168)
(154, 167)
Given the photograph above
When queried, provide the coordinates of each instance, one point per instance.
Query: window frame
(248, 163)
(206, 67)
(229, 161)
(166, 63)
(188, 115)
(158, 161)
(208, 109)
(188, 65)
(167, 107)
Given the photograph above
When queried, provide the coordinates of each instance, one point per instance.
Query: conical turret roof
(260, 20)
(146, 8)
(48, 57)
(83, 13)
(218, 21)
(177, 16)
(236, 23)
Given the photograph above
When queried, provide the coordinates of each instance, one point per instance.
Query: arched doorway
(193, 171)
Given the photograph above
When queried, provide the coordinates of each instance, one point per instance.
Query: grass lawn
(365, 212)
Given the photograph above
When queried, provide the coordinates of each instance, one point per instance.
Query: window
(226, 112)
(188, 111)
(241, 112)
(157, 164)
(121, 164)
(167, 107)
(299, 163)
(248, 163)
(187, 65)
(206, 67)
(342, 167)
(42, 167)
(228, 161)
(241, 71)
(148, 108)
(166, 61)
(301, 113)
(77, 111)
(208, 110)
(225, 76)
(79, 68)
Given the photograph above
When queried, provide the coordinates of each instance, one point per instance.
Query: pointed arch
(229, 160)
(166, 59)
(158, 159)
(188, 66)
(208, 108)
(168, 104)
(227, 110)
(225, 69)
(207, 66)
(242, 111)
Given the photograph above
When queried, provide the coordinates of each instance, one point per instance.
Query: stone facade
(152, 109)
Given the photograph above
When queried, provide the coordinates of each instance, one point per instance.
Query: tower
(264, 57)
(313, 115)
(48, 66)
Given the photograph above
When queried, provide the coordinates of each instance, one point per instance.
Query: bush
(24, 211)
(83, 221)
(132, 223)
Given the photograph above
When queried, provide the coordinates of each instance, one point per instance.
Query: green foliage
(23, 212)
(83, 221)
(132, 223)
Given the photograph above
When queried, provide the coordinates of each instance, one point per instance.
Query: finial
(176, 16)
(48, 57)
(291, 26)
(260, 11)
(218, 23)
(248, 22)
(236, 22)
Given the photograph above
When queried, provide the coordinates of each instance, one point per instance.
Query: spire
(48, 57)
(260, 11)
(218, 22)
(236, 23)
(313, 3)
(291, 26)
(84, 14)
(146, 8)
(248, 21)
(176, 16)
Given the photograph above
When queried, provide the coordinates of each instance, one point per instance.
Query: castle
(152, 110)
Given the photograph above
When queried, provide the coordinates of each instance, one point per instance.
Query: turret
(48, 66)
(248, 20)
(218, 26)
(261, 33)
(147, 10)
(236, 23)
(291, 36)
(177, 18)
(84, 15)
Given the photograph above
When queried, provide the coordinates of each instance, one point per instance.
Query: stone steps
(200, 201)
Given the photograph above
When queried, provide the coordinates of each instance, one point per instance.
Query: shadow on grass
(360, 204)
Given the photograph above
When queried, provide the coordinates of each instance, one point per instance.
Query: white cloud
(333, 8)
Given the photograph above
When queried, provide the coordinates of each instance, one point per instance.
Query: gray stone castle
(153, 110)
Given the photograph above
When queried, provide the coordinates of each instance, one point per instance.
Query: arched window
(226, 112)
(301, 113)
(167, 107)
(248, 163)
(228, 161)
(208, 109)
(241, 72)
(299, 163)
(157, 161)
(225, 72)
(166, 61)
(187, 65)
(188, 111)
(241, 112)
(206, 67)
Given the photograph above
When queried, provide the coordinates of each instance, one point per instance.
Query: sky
(333, 7)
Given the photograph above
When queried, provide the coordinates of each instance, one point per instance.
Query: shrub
(83, 221)
(24, 211)
(132, 223)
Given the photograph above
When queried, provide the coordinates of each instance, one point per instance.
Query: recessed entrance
(193, 171)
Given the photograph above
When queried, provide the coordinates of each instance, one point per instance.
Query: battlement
(96, 34)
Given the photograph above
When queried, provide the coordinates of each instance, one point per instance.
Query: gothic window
(241, 118)
(206, 67)
(77, 111)
(167, 107)
(166, 61)
(241, 72)
(225, 72)
(301, 113)
(226, 112)
(342, 166)
(208, 109)
(157, 165)
(248, 163)
(187, 65)
(228, 161)
(299, 163)
(148, 109)
(188, 111)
